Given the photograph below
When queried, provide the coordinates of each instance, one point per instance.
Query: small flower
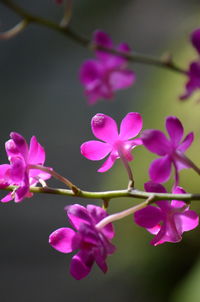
(94, 245)
(169, 219)
(17, 173)
(107, 73)
(171, 150)
(193, 72)
(117, 145)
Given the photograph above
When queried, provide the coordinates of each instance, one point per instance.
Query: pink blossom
(168, 219)
(94, 245)
(115, 145)
(171, 150)
(107, 73)
(193, 73)
(17, 173)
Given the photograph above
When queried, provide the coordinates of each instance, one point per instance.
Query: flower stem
(166, 63)
(128, 169)
(57, 176)
(125, 213)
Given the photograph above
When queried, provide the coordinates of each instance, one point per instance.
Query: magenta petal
(148, 217)
(121, 79)
(20, 143)
(160, 169)
(195, 39)
(62, 240)
(81, 265)
(104, 127)
(175, 129)
(78, 215)
(21, 193)
(7, 198)
(130, 126)
(17, 169)
(151, 186)
(160, 236)
(90, 72)
(102, 39)
(108, 163)
(97, 214)
(186, 142)
(155, 141)
(186, 221)
(36, 153)
(95, 150)
(178, 203)
(11, 149)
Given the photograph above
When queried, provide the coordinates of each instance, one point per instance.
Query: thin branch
(166, 63)
(112, 194)
(14, 31)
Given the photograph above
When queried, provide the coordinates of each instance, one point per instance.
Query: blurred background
(40, 95)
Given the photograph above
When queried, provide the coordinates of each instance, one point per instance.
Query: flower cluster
(92, 230)
(18, 172)
(107, 73)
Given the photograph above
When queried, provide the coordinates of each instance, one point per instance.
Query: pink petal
(121, 79)
(7, 198)
(155, 141)
(20, 143)
(102, 39)
(160, 169)
(155, 229)
(108, 163)
(195, 39)
(78, 215)
(62, 240)
(148, 217)
(95, 150)
(175, 129)
(104, 128)
(97, 214)
(36, 154)
(160, 236)
(17, 169)
(130, 126)
(186, 221)
(153, 187)
(186, 142)
(90, 72)
(178, 203)
(11, 149)
(21, 193)
(81, 265)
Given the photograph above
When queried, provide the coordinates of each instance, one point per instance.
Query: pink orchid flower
(17, 173)
(168, 219)
(115, 145)
(107, 73)
(94, 245)
(171, 150)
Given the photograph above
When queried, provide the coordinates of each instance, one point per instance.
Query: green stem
(166, 63)
(112, 194)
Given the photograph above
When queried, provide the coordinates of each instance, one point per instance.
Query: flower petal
(7, 198)
(148, 217)
(186, 142)
(81, 265)
(178, 203)
(108, 163)
(90, 72)
(195, 39)
(130, 126)
(17, 169)
(155, 141)
(175, 129)
(104, 127)
(36, 154)
(186, 221)
(97, 214)
(160, 169)
(11, 149)
(121, 79)
(78, 215)
(20, 143)
(95, 150)
(63, 240)
(153, 187)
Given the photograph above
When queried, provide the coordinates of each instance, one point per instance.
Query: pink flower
(107, 73)
(169, 219)
(115, 145)
(17, 173)
(94, 245)
(171, 150)
(193, 72)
